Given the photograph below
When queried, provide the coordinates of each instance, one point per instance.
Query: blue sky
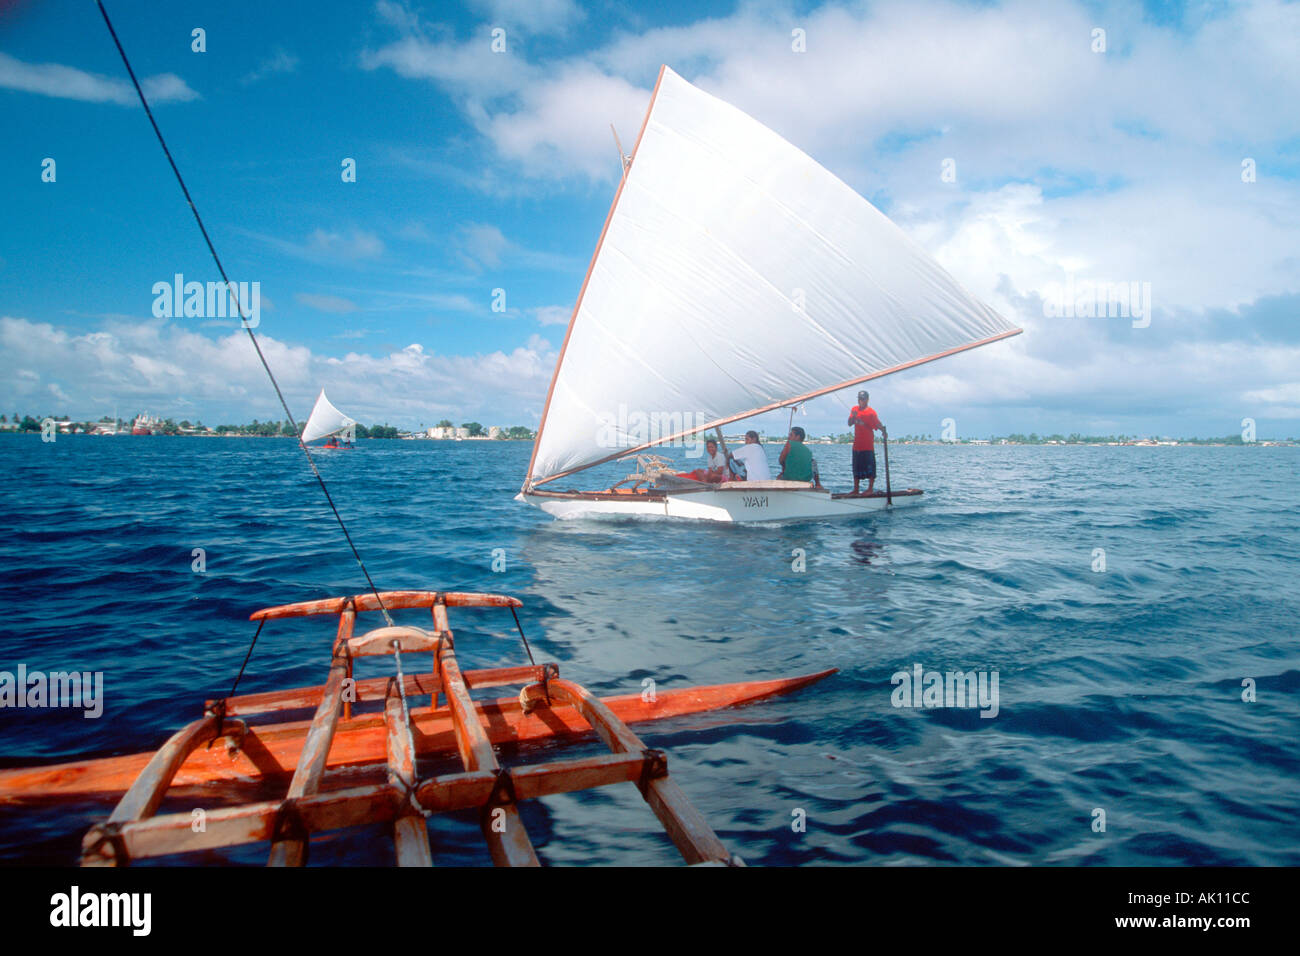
(479, 170)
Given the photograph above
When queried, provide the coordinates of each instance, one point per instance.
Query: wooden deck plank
(501, 824)
(410, 834)
(314, 756)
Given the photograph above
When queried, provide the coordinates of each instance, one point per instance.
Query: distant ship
(144, 425)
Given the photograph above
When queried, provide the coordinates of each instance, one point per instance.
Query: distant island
(144, 424)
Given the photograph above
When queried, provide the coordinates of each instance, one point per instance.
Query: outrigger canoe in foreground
(345, 768)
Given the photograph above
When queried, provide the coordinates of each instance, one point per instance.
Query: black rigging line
(244, 319)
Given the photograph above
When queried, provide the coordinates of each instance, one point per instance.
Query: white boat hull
(734, 503)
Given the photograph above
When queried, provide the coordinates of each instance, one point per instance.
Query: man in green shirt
(796, 459)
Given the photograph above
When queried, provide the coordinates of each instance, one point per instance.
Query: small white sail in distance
(325, 420)
(735, 275)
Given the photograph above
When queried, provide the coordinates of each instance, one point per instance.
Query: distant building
(494, 431)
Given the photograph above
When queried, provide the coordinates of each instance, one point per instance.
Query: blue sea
(1138, 606)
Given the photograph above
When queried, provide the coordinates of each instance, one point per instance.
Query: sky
(997, 135)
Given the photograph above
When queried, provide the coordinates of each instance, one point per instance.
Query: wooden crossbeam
(392, 601)
(375, 689)
(254, 823)
(380, 641)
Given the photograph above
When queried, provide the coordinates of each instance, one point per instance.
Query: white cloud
(552, 314)
(323, 245)
(66, 82)
(280, 61)
(1285, 394)
(539, 17)
(326, 303)
(357, 244)
(561, 126)
(484, 246)
(1131, 158)
(166, 368)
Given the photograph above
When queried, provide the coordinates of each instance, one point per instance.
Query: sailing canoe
(734, 276)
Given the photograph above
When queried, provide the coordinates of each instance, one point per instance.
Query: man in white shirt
(715, 465)
(754, 459)
(716, 462)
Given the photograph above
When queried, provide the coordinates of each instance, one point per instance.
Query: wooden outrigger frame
(134, 831)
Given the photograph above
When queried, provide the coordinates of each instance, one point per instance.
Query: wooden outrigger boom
(346, 769)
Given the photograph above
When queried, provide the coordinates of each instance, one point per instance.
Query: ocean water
(1119, 690)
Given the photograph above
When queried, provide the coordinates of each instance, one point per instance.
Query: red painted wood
(272, 751)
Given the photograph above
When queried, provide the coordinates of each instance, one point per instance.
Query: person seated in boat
(752, 459)
(715, 465)
(796, 460)
(865, 424)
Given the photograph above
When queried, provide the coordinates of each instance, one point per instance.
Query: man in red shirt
(865, 423)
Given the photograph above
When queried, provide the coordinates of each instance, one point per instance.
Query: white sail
(735, 275)
(325, 420)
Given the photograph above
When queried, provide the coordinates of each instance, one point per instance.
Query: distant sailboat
(734, 276)
(328, 422)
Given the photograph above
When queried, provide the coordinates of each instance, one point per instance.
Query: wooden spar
(410, 834)
(770, 406)
(316, 748)
(142, 800)
(501, 824)
(392, 601)
(568, 332)
(690, 832)
(147, 792)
